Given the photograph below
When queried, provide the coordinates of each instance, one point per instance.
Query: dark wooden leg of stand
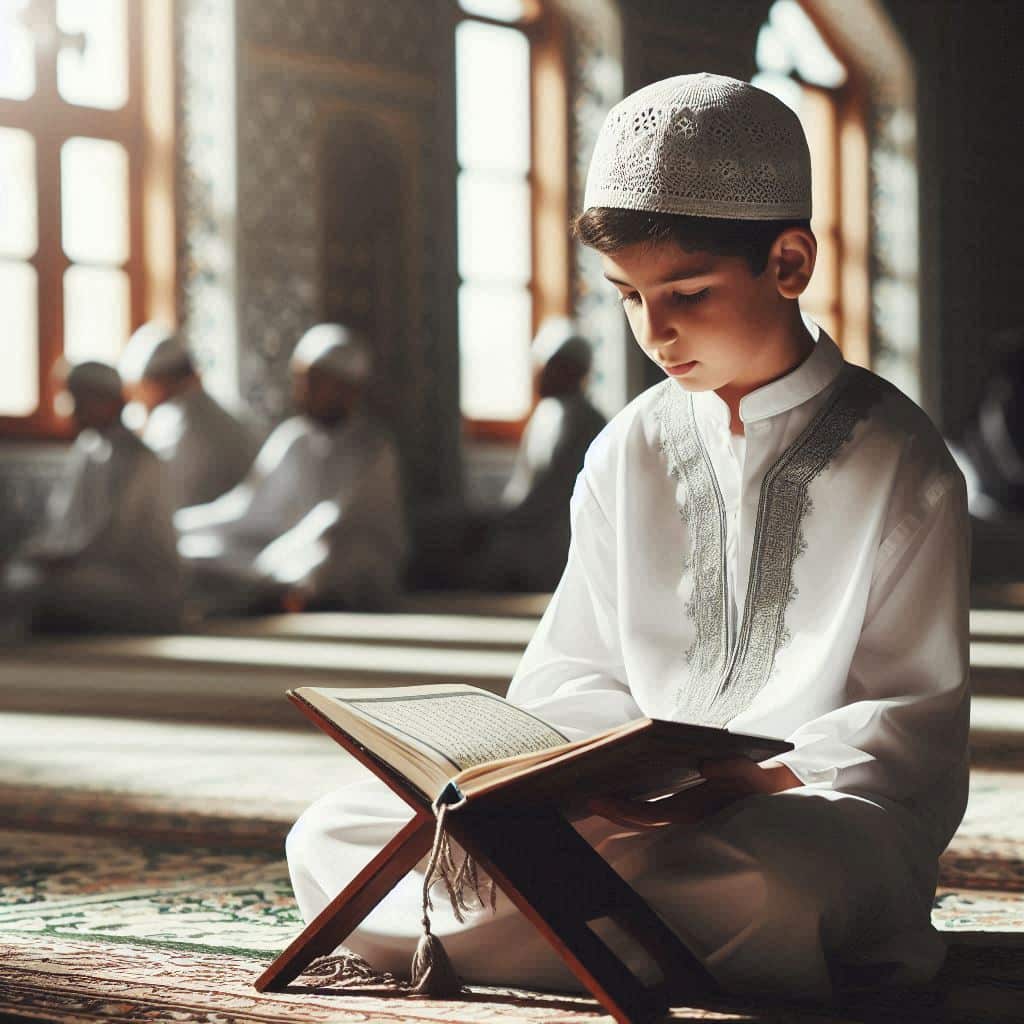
(561, 884)
(344, 913)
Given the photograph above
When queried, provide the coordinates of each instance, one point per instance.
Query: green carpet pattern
(160, 895)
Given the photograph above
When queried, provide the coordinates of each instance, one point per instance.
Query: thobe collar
(810, 378)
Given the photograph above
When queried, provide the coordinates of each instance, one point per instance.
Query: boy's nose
(658, 330)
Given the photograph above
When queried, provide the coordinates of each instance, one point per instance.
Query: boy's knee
(303, 839)
(294, 844)
(802, 884)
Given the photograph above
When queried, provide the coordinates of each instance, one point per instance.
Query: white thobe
(529, 542)
(205, 450)
(320, 510)
(106, 555)
(814, 589)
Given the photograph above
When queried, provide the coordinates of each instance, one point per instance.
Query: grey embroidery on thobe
(724, 679)
(703, 514)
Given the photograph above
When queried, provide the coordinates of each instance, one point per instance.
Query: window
(797, 65)
(512, 148)
(80, 120)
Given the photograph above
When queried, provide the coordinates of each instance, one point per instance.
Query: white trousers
(773, 895)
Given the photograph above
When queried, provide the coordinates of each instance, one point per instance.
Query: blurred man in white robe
(318, 520)
(105, 558)
(204, 448)
(529, 541)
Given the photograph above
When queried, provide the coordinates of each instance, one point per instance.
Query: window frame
(850, 197)
(145, 127)
(548, 179)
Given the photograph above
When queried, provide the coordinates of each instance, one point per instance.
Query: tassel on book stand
(432, 971)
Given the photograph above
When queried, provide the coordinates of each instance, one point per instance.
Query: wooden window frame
(851, 196)
(145, 127)
(548, 179)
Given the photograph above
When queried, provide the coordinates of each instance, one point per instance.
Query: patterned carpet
(160, 895)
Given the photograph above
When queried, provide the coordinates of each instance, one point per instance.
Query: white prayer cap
(335, 349)
(558, 336)
(703, 146)
(92, 379)
(154, 350)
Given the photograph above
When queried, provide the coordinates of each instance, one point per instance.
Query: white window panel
(94, 200)
(494, 229)
(492, 84)
(500, 10)
(17, 53)
(810, 54)
(494, 343)
(18, 228)
(97, 313)
(19, 382)
(98, 76)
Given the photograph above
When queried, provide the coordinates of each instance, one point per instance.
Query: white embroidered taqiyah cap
(92, 378)
(559, 336)
(154, 350)
(334, 348)
(703, 146)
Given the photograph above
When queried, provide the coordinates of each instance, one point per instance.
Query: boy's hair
(608, 229)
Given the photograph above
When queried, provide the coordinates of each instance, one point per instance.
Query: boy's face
(706, 320)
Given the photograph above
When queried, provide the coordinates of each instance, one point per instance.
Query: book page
(464, 728)
(642, 759)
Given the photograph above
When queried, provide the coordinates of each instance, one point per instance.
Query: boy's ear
(792, 260)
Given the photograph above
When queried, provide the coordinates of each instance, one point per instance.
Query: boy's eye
(631, 299)
(684, 299)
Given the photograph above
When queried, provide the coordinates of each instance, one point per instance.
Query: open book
(457, 741)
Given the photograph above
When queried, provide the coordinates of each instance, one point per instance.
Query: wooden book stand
(543, 865)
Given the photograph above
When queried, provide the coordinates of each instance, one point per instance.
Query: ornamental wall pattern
(300, 65)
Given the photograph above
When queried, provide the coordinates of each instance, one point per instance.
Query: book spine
(451, 794)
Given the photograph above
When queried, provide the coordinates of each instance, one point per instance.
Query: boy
(770, 540)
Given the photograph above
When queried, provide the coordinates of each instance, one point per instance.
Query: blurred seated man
(991, 452)
(205, 450)
(527, 545)
(105, 558)
(318, 521)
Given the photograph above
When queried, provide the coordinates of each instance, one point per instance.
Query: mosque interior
(244, 169)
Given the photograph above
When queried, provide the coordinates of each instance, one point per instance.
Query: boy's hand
(728, 780)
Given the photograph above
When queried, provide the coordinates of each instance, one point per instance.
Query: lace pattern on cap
(702, 145)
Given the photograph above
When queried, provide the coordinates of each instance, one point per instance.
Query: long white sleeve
(904, 731)
(572, 674)
(253, 507)
(358, 534)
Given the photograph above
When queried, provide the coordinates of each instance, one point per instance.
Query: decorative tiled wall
(207, 190)
(596, 85)
(304, 67)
